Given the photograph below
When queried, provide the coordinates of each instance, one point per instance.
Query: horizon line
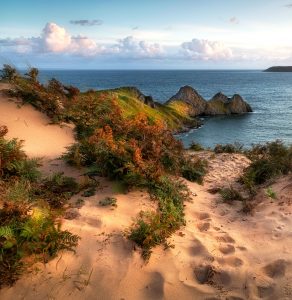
(81, 69)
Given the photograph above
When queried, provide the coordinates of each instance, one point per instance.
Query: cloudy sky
(146, 34)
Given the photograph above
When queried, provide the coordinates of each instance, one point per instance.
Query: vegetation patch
(153, 228)
(271, 193)
(268, 161)
(196, 147)
(230, 194)
(108, 201)
(29, 229)
(229, 148)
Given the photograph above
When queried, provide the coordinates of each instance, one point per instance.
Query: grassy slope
(175, 115)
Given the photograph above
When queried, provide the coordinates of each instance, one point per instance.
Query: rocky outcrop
(189, 95)
(238, 106)
(220, 104)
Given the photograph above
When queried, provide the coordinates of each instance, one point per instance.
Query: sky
(146, 34)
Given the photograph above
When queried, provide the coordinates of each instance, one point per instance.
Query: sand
(221, 253)
(31, 126)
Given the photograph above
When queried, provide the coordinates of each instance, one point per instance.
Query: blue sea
(269, 94)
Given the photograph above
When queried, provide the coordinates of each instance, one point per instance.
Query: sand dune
(31, 126)
(220, 253)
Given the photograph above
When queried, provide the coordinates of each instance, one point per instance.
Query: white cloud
(19, 45)
(55, 38)
(57, 41)
(206, 50)
(131, 46)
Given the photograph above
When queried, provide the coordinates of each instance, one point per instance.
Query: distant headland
(279, 69)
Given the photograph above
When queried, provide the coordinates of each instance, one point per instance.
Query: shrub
(18, 192)
(28, 228)
(10, 154)
(196, 146)
(271, 194)
(27, 169)
(259, 172)
(153, 228)
(108, 201)
(229, 148)
(194, 170)
(37, 235)
(230, 194)
(9, 73)
(33, 74)
(268, 161)
(129, 149)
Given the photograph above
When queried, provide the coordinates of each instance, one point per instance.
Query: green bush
(271, 193)
(194, 170)
(229, 148)
(26, 169)
(230, 194)
(196, 146)
(18, 191)
(108, 201)
(268, 161)
(153, 228)
(37, 235)
(9, 73)
(28, 227)
(259, 172)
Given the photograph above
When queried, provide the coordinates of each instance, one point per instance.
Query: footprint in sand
(204, 273)
(203, 226)
(227, 249)
(208, 274)
(265, 291)
(265, 288)
(155, 288)
(198, 249)
(226, 238)
(203, 216)
(232, 261)
(276, 269)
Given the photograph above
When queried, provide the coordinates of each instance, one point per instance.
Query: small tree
(9, 73)
(33, 74)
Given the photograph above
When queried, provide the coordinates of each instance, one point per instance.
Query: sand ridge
(40, 139)
(220, 253)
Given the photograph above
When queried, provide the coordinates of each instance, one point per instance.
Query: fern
(6, 232)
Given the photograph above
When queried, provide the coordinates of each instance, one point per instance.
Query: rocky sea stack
(220, 104)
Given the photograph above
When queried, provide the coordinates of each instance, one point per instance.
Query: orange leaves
(139, 143)
(105, 134)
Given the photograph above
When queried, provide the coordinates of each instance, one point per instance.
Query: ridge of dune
(41, 139)
(219, 254)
